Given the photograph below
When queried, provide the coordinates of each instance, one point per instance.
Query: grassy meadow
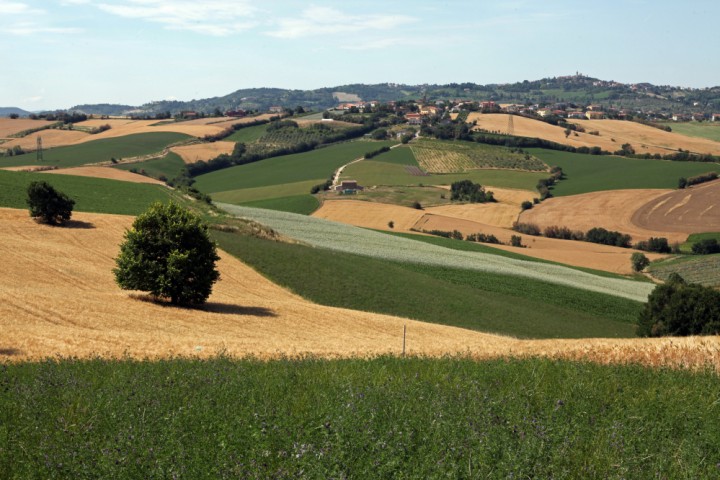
(592, 173)
(97, 151)
(379, 172)
(316, 165)
(301, 204)
(709, 130)
(96, 195)
(484, 301)
(247, 134)
(355, 419)
(169, 166)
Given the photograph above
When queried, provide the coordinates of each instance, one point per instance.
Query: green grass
(402, 155)
(244, 195)
(381, 418)
(708, 130)
(697, 237)
(702, 269)
(168, 166)
(302, 204)
(99, 150)
(90, 194)
(373, 172)
(320, 163)
(247, 134)
(592, 173)
(469, 299)
(403, 195)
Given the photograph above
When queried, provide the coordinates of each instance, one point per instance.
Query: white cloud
(326, 21)
(17, 8)
(34, 99)
(212, 17)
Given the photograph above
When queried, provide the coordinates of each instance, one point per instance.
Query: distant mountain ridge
(565, 89)
(6, 111)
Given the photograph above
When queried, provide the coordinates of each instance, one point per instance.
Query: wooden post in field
(404, 332)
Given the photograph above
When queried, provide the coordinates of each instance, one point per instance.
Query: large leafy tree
(168, 253)
(47, 204)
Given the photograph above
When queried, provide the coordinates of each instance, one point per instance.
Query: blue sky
(59, 53)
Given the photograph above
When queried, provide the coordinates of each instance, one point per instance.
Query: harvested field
(50, 138)
(60, 300)
(369, 214)
(113, 122)
(501, 214)
(612, 210)
(646, 139)
(106, 172)
(24, 168)
(580, 254)
(8, 126)
(643, 138)
(203, 151)
(692, 210)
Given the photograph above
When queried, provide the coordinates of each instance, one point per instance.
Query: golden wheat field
(580, 254)
(203, 151)
(105, 172)
(612, 210)
(9, 126)
(50, 138)
(612, 134)
(692, 210)
(59, 299)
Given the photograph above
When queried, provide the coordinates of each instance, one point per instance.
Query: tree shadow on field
(79, 224)
(9, 351)
(211, 307)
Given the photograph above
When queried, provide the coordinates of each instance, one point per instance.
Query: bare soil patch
(106, 172)
(692, 210)
(369, 214)
(203, 151)
(612, 210)
(59, 299)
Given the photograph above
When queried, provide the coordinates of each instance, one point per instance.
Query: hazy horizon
(62, 53)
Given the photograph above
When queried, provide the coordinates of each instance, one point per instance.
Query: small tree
(47, 204)
(168, 253)
(639, 261)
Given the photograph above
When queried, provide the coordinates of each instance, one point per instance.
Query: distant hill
(5, 111)
(579, 89)
(102, 109)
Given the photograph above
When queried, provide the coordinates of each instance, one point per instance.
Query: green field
(401, 155)
(302, 204)
(592, 173)
(702, 269)
(244, 195)
(382, 418)
(247, 134)
(707, 130)
(316, 164)
(483, 301)
(99, 150)
(90, 194)
(377, 172)
(169, 166)
(697, 237)
(403, 195)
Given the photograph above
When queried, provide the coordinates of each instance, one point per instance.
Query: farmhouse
(276, 109)
(576, 115)
(348, 186)
(715, 117)
(428, 110)
(188, 114)
(235, 113)
(594, 115)
(414, 118)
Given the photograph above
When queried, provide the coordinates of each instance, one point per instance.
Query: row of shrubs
(702, 178)
(515, 240)
(596, 235)
(544, 184)
(375, 153)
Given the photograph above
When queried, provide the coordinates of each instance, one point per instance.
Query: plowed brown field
(59, 299)
(580, 254)
(612, 210)
(692, 210)
(643, 138)
(203, 151)
(105, 172)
